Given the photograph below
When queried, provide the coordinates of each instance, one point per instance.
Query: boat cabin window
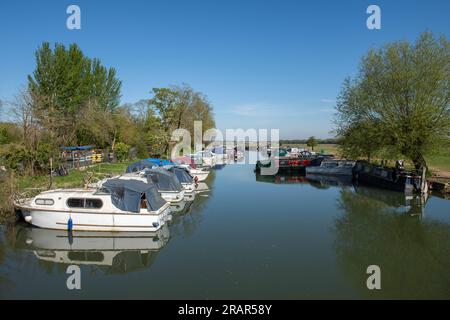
(45, 202)
(93, 203)
(84, 203)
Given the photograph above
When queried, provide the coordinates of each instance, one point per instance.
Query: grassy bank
(76, 178)
(439, 163)
(30, 186)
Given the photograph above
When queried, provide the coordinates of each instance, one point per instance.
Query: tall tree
(402, 90)
(178, 108)
(312, 142)
(65, 81)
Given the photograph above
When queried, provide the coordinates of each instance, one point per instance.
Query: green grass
(76, 178)
(439, 164)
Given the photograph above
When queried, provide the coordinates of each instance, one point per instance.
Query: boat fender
(70, 224)
(28, 219)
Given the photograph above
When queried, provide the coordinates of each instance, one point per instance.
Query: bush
(15, 156)
(122, 151)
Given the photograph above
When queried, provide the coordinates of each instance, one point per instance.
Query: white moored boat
(204, 158)
(199, 174)
(186, 180)
(120, 205)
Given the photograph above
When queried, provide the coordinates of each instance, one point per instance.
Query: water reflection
(388, 229)
(317, 181)
(186, 221)
(411, 204)
(112, 252)
(413, 254)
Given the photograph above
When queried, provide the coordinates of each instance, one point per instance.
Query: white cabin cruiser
(119, 205)
(198, 174)
(204, 158)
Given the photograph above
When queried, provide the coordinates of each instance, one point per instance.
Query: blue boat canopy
(128, 194)
(80, 148)
(160, 162)
(164, 180)
(140, 165)
(182, 175)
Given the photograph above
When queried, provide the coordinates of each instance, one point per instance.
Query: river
(248, 237)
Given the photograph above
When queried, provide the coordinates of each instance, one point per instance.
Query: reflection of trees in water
(7, 241)
(413, 254)
(185, 223)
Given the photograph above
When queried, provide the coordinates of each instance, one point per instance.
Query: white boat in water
(120, 205)
(186, 180)
(198, 174)
(333, 167)
(204, 158)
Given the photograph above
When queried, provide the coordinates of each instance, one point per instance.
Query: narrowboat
(333, 167)
(388, 178)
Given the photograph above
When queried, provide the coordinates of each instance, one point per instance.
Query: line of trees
(72, 100)
(317, 141)
(398, 105)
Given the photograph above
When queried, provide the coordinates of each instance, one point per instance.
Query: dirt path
(440, 173)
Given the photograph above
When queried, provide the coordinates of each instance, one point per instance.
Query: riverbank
(75, 179)
(439, 163)
(26, 186)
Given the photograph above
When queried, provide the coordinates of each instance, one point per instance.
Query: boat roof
(134, 185)
(140, 165)
(159, 162)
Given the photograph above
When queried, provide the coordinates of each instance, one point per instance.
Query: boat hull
(88, 221)
(172, 197)
(339, 171)
(386, 178)
(200, 175)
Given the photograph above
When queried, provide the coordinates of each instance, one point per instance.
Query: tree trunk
(419, 162)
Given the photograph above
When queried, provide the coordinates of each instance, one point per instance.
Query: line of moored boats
(140, 200)
(292, 159)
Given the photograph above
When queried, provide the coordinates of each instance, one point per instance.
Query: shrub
(122, 151)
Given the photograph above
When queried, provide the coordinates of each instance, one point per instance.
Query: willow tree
(400, 99)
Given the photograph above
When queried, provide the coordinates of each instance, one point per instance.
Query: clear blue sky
(262, 64)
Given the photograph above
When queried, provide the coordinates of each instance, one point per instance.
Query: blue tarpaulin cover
(164, 180)
(127, 194)
(80, 148)
(160, 162)
(140, 165)
(182, 175)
